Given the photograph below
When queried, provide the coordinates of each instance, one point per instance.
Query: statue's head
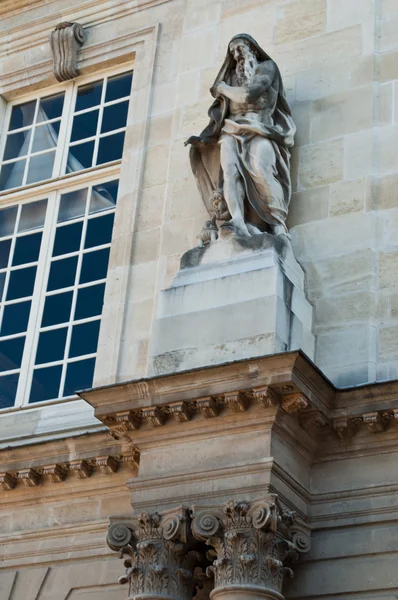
(241, 49)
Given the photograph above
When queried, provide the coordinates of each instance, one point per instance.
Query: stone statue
(241, 160)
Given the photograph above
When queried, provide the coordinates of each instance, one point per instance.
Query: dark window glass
(46, 136)
(62, 273)
(4, 253)
(11, 174)
(84, 339)
(8, 390)
(67, 238)
(27, 248)
(72, 205)
(94, 266)
(2, 282)
(84, 126)
(40, 167)
(32, 215)
(57, 309)
(89, 301)
(80, 156)
(114, 117)
(79, 375)
(22, 115)
(51, 346)
(88, 96)
(7, 220)
(17, 144)
(118, 87)
(99, 231)
(11, 353)
(103, 196)
(51, 107)
(15, 318)
(45, 384)
(21, 283)
(110, 148)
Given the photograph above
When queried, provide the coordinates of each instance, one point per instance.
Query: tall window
(55, 235)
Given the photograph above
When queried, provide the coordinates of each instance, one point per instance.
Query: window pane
(22, 115)
(99, 231)
(95, 266)
(88, 95)
(72, 205)
(118, 87)
(45, 384)
(80, 157)
(27, 248)
(57, 309)
(89, 301)
(51, 346)
(67, 238)
(11, 353)
(17, 144)
(114, 117)
(62, 273)
(103, 196)
(7, 220)
(15, 318)
(12, 175)
(84, 126)
(84, 339)
(110, 148)
(51, 107)
(79, 376)
(32, 215)
(2, 283)
(8, 390)
(4, 253)
(46, 137)
(21, 283)
(40, 167)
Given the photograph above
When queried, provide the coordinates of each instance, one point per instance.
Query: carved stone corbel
(265, 396)
(236, 401)
(375, 421)
(160, 561)
(254, 544)
(8, 481)
(66, 40)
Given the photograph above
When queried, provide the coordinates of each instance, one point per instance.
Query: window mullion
(38, 299)
(66, 129)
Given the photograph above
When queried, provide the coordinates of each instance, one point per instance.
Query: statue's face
(240, 49)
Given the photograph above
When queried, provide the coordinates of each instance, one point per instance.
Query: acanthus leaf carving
(160, 559)
(254, 542)
(208, 407)
(265, 396)
(294, 402)
(236, 401)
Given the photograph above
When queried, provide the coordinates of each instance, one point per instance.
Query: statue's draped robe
(205, 150)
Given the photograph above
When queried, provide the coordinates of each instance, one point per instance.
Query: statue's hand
(216, 90)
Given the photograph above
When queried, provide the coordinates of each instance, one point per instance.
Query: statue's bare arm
(262, 81)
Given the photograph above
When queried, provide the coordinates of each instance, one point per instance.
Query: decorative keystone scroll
(254, 544)
(160, 561)
(66, 40)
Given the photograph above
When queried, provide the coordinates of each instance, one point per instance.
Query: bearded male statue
(241, 161)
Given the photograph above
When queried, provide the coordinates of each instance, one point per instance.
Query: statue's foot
(253, 230)
(238, 228)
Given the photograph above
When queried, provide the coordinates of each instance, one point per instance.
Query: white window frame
(51, 189)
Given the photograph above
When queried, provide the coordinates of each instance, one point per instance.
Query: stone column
(160, 562)
(253, 544)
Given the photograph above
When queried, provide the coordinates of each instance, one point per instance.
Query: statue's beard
(245, 68)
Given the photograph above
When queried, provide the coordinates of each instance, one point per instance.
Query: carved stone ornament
(160, 563)
(265, 396)
(66, 40)
(254, 542)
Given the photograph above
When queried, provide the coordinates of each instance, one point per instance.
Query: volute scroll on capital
(66, 40)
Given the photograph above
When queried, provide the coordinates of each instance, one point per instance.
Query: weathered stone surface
(321, 164)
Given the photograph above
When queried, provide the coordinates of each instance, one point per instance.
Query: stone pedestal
(232, 299)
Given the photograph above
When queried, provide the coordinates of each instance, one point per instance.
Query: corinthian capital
(66, 40)
(160, 563)
(254, 545)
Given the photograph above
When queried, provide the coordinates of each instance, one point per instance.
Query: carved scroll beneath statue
(66, 40)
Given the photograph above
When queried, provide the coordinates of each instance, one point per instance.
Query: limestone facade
(247, 431)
